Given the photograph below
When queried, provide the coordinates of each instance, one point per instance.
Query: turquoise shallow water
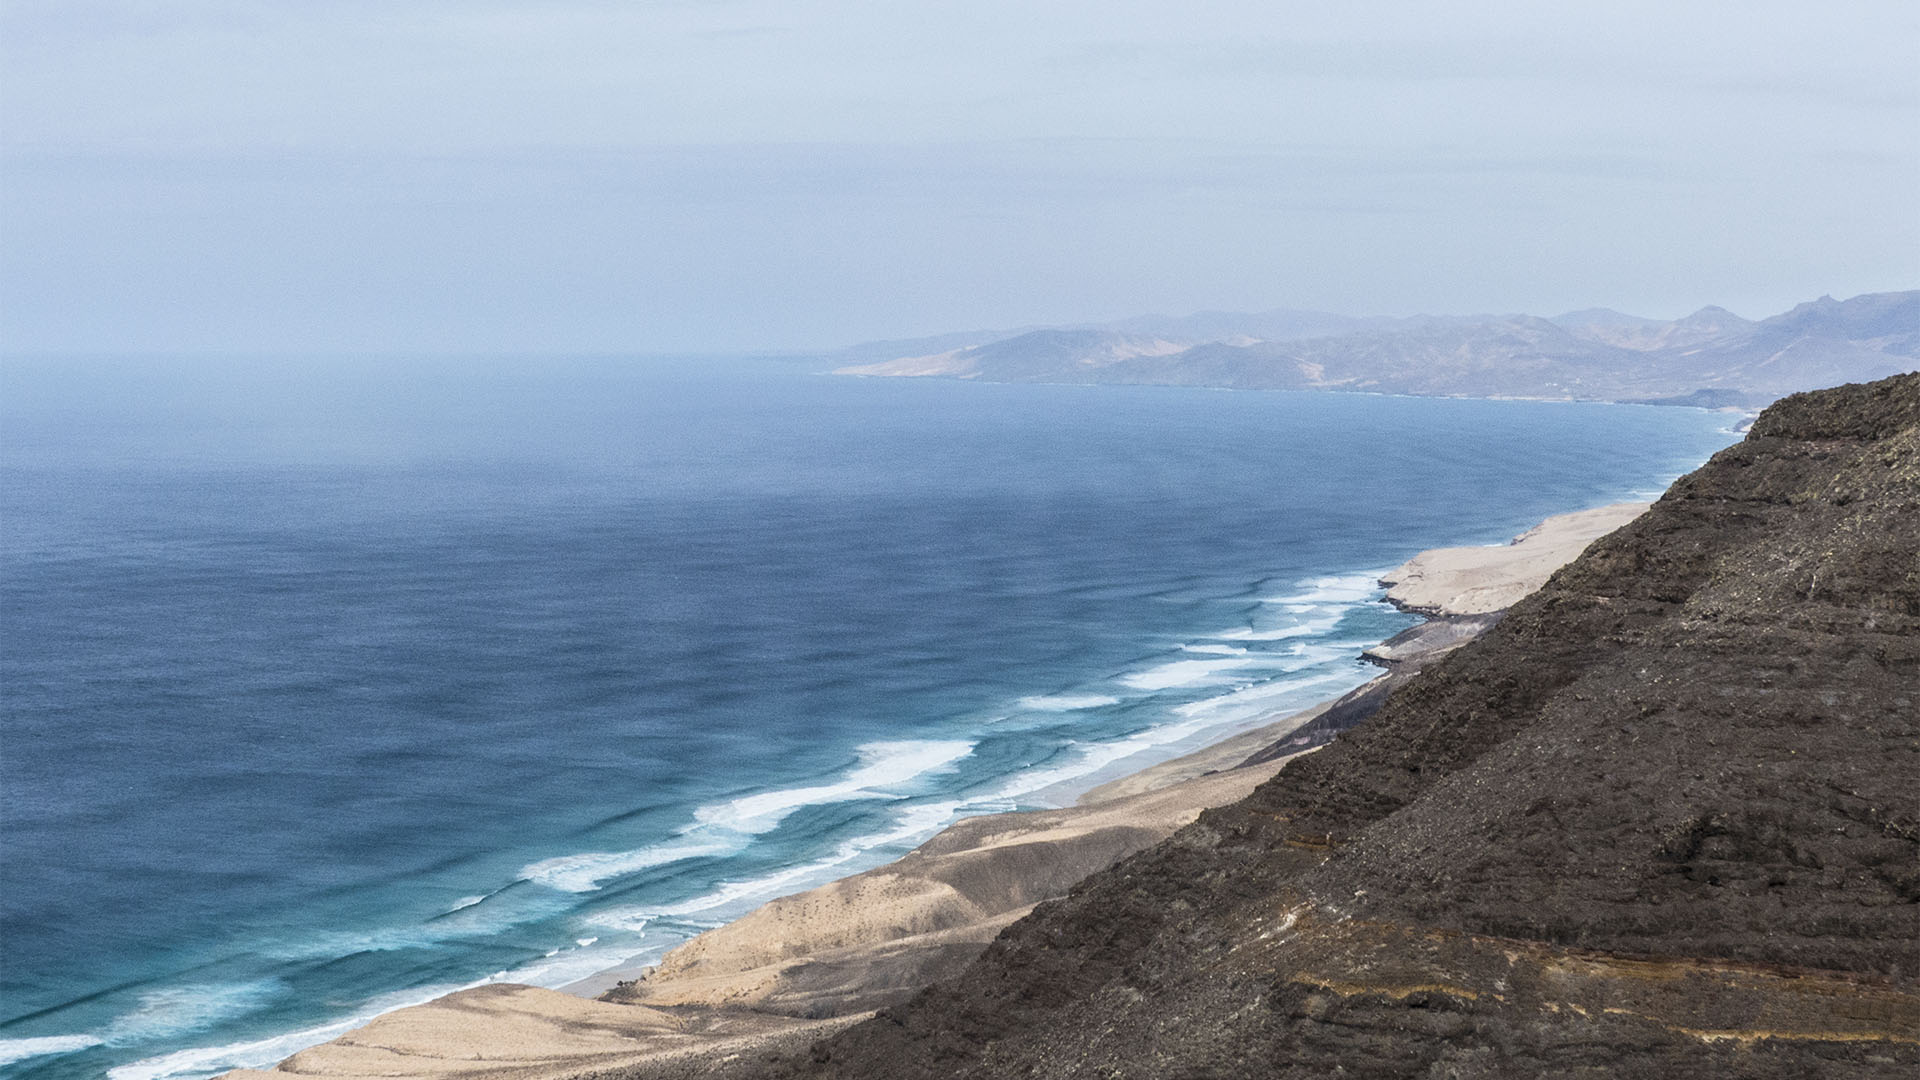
(332, 685)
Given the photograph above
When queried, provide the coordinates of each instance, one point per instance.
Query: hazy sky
(647, 175)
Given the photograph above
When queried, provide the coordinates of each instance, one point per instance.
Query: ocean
(333, 685)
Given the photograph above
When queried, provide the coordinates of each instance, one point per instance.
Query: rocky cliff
(1663, 820)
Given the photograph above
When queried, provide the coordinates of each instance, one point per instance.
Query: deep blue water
(334, 685)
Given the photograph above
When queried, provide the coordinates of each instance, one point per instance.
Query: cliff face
(1664, 818)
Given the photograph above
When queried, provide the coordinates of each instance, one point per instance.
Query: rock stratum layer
(1662, 820)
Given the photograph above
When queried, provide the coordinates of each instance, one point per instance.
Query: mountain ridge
(1591, 355)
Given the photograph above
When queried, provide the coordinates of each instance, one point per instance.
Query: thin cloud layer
(724, 175)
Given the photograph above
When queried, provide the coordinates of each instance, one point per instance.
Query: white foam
(1090, 758)
(563, 966)
(557, 968)
(1215, 650)
(208, 1061)
(175, 1010)
(882, 765)
(1206, 715)
(473, 920)
(585, 872)
(1316, 605)
(465, 902)
(1087, 759)
(1307, 628)
(911, 823)
(1066, 702)
(12, 1050)
(162, 1013)
(1337, 589)
(728, 894)
(1185, 673)
(725, 828)
(1257, 698)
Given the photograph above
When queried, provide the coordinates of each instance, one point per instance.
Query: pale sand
(1478, 580)
(950, 362)
(873, 938)
(1217, 757)
(849, 946)
(507, 1032)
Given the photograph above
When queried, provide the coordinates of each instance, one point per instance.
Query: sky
(527, 176)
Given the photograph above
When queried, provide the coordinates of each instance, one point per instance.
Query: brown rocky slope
(1664, 819)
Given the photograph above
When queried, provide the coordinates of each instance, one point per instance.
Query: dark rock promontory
(1662, 820)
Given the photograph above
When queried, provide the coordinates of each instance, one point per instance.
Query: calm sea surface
(331, 686)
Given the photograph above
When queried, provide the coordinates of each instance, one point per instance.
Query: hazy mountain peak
(1887, 322)
(1601, 317)
(1712, 356)
(1712, 315)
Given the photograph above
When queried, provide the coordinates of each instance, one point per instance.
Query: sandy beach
(801, 966)
(1463, 581)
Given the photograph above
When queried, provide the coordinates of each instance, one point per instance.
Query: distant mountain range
(1711, 357)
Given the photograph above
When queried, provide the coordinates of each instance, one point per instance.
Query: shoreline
(1458, 592)
(799, 966)
(1218, 748)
